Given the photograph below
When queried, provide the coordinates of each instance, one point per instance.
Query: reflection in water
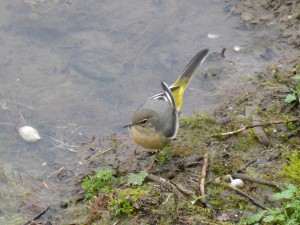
(75, 69)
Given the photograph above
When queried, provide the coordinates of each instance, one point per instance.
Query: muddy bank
(258, 153)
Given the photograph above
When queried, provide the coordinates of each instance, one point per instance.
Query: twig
(152, 163)
(44, 183)
(247, 164)
(73, 131)
(232, 132)
(55, 172)
(203, 175)
(169, 186)
(166, 184)
(256, 125)
(62, 147)
(253, 161)
(100, 153)
(62, 144)
(184, 190)
(18, 103)
(116, 222)
(271, 158)
(22, 118)
(251, 113)
(256, 180)
(88, 144)
(240, 192)
(37, 216)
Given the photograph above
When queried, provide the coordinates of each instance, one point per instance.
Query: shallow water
(77, 69)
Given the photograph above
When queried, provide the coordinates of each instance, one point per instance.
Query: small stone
(237, 183)
(297, 16)
(266, 18)
(213, 36)
(29, 134)
(223, 217)
(247, 16)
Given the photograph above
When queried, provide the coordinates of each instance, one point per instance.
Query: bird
(155, 122)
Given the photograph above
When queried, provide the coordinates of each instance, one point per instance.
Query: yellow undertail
(184, 79)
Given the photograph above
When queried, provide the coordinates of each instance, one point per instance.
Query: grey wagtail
(155, 123)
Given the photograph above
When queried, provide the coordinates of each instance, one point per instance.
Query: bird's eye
(143, 122)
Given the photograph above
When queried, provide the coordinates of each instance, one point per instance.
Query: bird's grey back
(162, 114)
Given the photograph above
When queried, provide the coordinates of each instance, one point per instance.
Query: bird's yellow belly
(149, 139)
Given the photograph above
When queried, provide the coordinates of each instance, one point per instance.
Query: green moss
(99, 181)
(194, 134)
(163, 155)
(292, 126)
(194, 211)
(291, 169)
(123, 202)
(220, 170)
(198, 121)
(246, 142)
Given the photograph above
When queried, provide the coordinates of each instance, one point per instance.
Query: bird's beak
(128, 125)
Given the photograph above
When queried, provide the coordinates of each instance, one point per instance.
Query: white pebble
(29, 134)
(213, 36)
(237, 48)
(237, 183)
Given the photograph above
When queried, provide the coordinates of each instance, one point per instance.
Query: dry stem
(256, 180)
(203, 175)
(100, 153)
(240, 192)
(166, 184)
(255, 125)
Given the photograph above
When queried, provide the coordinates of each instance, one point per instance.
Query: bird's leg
(153, 160)
(133, 156)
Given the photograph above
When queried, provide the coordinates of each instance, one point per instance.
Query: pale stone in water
(29, 134)
(213, 36)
